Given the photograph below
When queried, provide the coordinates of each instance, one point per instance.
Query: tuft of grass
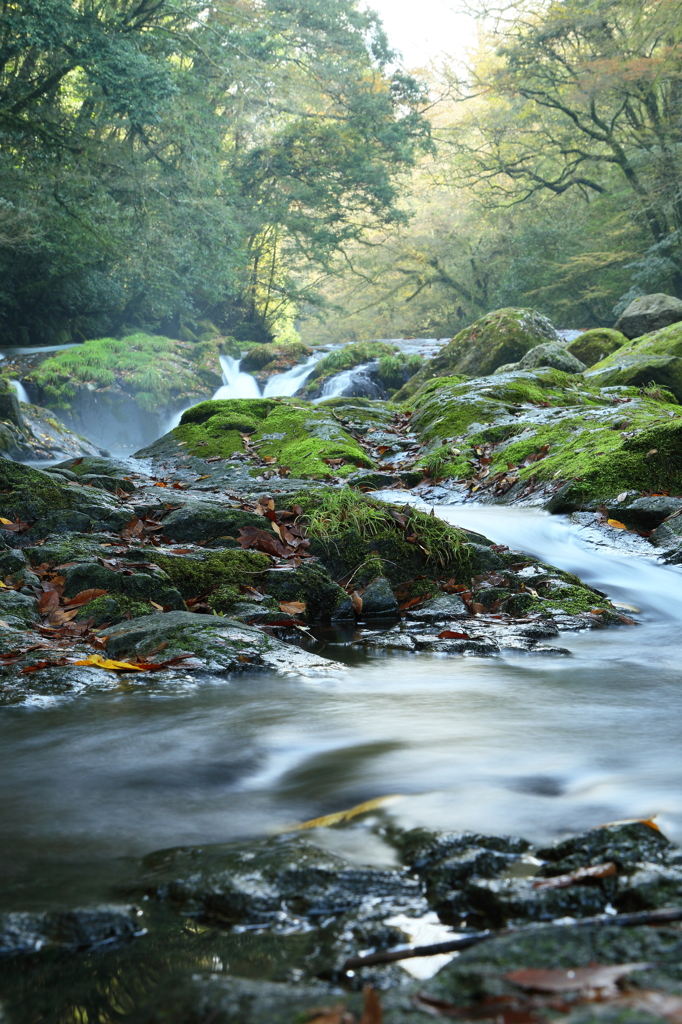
(330, 513)
(351, 355)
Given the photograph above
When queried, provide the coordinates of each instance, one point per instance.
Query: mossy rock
(598, 442)
(593, 346)
(498, 338)
(296, 435)
(653, 358)
(152, 369)
(198, 575)
(551, 354)
(346, 358)
(138, 586)
(275, 357)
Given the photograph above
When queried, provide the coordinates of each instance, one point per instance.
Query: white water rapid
(337, 384)
(238, 384)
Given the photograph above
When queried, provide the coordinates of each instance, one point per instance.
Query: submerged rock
(649, 313)
(75, 931)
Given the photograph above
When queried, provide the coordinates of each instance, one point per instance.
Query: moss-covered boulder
(289, 434)
(654, 358)
(277, 357)
(593, 346)
(551, 354)
(121, 391)
(532, 432)
(498, 338)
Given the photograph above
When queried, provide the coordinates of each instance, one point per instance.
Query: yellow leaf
(616, 524)
(651, 822)
(353, 812)
(5, 521)
(292, 607)
(3, 585)
(114, 666)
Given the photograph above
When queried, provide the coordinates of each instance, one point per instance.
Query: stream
(526, 744)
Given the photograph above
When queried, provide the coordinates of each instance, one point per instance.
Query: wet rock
(81, 930)
(645, 513)
(649, 313)
(503, 336)
(215, 644)
(439, 609)
(367, 479)
(279, 883)
(138, 586)
(625, 845)
(18, 609)
(310, 584)
(591, 347)
(378, 600)
(551, 354)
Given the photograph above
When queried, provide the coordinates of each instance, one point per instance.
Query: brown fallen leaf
(337, 1014)
(356, 601)
(292, 607)
(600, 979)
(372, 1013)
(616, 524)
(450, 634)
(84, 597)
(596, 871)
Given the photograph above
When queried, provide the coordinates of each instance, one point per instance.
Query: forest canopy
(171, 165)
(163, 164)
(556, 182)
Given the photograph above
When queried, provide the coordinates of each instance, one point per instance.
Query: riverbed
(529, 744)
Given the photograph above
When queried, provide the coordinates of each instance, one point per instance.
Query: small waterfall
(22, 394)
(337, 384)
(287, 384)
(236, 384)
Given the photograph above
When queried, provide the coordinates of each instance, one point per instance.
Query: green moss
(355, 535)
(194, 577)
(503, 336)
(297, 434)
(604, 440)
(592, 346)
(655, 357)
(351, 355)
(275, 357)
(153, 369)
(395, 370)
(110, 609)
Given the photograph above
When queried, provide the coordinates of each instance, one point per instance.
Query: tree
(171, 162)
(580, 96)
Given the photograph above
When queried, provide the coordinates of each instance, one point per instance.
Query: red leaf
(449, 634)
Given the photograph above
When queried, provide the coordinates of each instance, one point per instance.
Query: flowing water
(529, 744)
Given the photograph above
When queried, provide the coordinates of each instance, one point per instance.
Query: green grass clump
(330, 514)
(152, 369)
(395, 370)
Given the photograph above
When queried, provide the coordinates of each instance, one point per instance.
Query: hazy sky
(423, 29)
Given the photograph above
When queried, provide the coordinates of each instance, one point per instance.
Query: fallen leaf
(449, 634)
(113, 666)
(580, 875)
(292, 607)
(372, 1013)
(159, 483)
(616, 524)
(622, 496)
(336, 1014)
(598, 979)
(6, 521)
(658, 1004)
(352, 812)
(650, 822)
(356, 601)
(84, 597)
(654, 451)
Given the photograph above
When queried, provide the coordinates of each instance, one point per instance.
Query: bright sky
(424, 29)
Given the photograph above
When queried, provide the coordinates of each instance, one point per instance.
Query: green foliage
(151, 368)
(394, 370)
(172, 167)
(275, 356)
